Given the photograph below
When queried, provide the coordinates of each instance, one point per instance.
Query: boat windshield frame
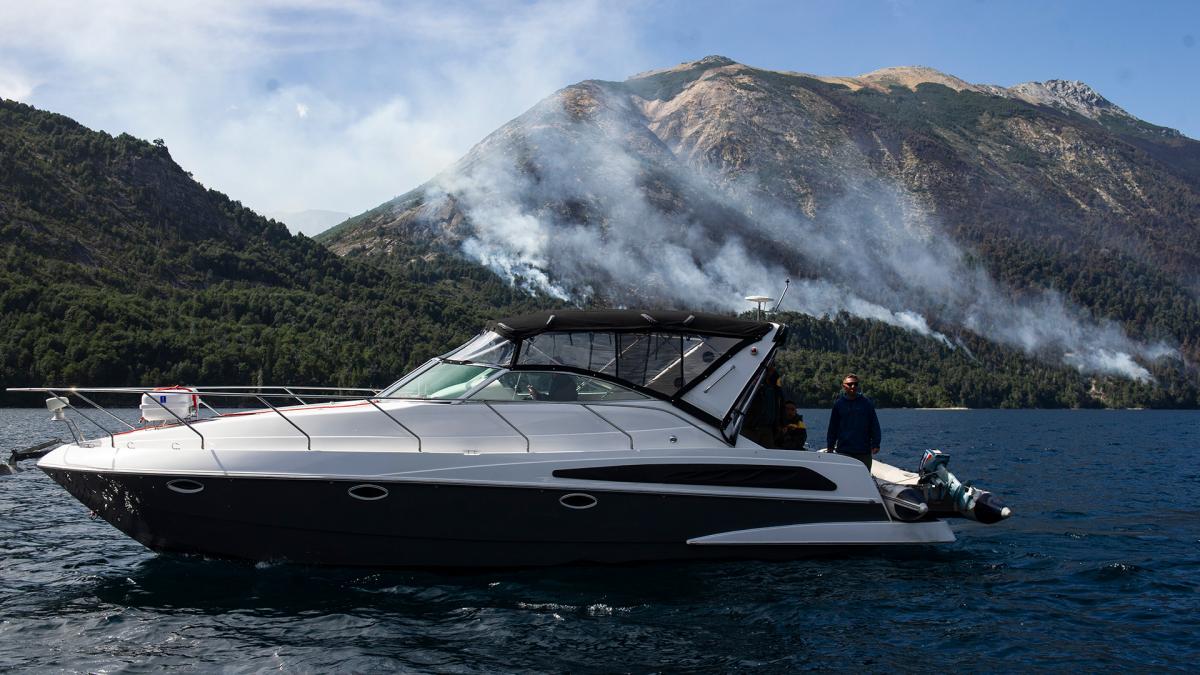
(492, 342)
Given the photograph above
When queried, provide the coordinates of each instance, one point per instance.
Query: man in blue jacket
(853, 424)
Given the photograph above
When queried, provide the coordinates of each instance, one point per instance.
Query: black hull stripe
(725, 475)
(318, 521)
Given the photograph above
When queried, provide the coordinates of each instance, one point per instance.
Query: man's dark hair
(790, 403)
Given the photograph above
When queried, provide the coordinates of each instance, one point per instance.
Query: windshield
(487, 348)
(443, 381)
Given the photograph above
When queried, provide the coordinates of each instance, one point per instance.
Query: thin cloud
(298, 105)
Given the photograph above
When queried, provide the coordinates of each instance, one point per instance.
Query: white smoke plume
(601, 209)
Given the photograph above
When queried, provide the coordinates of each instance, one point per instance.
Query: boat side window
(443, 381)
(664, 362)
(667, 362)
(594, 351)
(527, 385)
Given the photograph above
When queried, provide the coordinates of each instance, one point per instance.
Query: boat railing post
(673, 414)
(402, 426)
(206, 405)
(528, 446)
(103, 410)
(610, 423)
(81, 439)
(302, 401)
(181, 420)
(285, 419)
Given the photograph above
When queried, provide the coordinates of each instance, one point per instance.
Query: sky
(341, 105)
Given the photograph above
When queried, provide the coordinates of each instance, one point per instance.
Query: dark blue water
(1100, 567)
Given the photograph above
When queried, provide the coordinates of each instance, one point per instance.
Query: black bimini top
(627, 320)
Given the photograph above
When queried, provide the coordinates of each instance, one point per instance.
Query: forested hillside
(902, 369)
(116, 268)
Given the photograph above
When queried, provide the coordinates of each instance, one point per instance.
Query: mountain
(309, 222)
(116, 268)
(1041, 217)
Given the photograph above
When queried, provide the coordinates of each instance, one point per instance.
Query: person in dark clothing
(853, 424)
(762, 420)
(792, 431)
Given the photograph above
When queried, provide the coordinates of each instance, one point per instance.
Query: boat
(549, 438)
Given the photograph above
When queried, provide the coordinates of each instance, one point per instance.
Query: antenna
(760, 300)
(787, 283)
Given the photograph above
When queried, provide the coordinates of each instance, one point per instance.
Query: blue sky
(341, 105)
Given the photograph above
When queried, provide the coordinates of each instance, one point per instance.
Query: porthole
(577, 500)
(185, 486)
(368, 492)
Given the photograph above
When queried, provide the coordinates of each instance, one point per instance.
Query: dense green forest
(116, 268)
(900, 368)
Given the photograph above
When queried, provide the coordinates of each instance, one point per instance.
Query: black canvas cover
(627, 320)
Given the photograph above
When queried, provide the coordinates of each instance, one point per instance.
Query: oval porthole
(368, 493)
(577, 500)
(185, 486)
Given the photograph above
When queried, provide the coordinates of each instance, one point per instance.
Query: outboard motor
(943, 488)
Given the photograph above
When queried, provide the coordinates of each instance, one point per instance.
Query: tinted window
(664, 362)
(549, 386)
(590, 351)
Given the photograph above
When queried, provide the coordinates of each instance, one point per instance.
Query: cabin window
(596, 352)
(664, 362)
(527, 385)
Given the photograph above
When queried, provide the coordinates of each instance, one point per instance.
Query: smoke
(599, 208)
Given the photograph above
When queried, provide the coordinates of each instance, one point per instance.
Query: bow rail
(60, 402)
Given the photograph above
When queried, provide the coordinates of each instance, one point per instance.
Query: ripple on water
(1084, 576)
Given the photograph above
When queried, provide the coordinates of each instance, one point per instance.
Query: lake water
(1099, 568)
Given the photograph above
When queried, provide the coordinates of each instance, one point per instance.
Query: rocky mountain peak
(1069, 95)
(715, 61)
(707, 63)
(911, 76)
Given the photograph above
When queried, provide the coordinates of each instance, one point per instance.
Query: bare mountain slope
(1040, 216)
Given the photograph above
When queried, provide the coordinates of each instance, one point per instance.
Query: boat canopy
(661, 351)
(628, 320)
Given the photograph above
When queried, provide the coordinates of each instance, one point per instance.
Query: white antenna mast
(787, 283)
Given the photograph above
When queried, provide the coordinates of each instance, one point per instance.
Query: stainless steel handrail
(285, 418)
(627, 434)
(528, 446)
(201, 391)
(402, 425)
(214, 410)
(103, 410)
(111, 439)
(182, 421)
(623, 404)
(284, 392)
